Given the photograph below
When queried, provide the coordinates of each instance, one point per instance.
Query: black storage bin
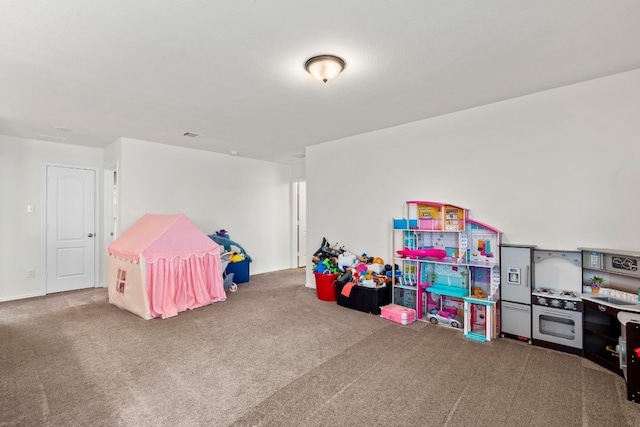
(368, 300)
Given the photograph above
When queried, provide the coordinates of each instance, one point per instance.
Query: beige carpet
(275, 355)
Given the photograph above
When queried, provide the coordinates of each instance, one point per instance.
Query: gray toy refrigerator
(516, 278)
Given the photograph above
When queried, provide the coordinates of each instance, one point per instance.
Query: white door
(70, 228)
(302, 223)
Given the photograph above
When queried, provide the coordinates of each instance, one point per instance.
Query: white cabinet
(443, 258)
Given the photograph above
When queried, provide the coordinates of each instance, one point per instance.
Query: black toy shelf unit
(619, 270)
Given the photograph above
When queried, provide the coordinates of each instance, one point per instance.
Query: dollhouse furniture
(480, 319)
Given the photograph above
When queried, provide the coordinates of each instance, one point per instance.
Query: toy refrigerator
(516, 278)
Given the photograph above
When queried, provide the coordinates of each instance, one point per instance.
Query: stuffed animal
(375, 268)
(223, 233)
(478, 292)
(345, 260)
(236, 257)
(365, 259)
(366, 275)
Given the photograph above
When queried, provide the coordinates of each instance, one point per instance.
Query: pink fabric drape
(174, 285)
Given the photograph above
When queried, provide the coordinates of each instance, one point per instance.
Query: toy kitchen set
(585, 302)
(612, 313)
(541, 300)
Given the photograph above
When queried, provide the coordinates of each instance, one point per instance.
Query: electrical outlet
(31, 273)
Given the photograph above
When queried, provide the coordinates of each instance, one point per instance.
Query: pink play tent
(162, 265)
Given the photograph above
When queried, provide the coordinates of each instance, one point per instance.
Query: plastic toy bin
(367, 300)
(325, 286)
(240, 271)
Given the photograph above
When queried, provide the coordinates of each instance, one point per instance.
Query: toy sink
(615, 301)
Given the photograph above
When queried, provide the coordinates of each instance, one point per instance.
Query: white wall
(22, 183)
(298, 170)
(250, 199)
(558, 169)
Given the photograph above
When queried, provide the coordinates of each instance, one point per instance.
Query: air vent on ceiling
(192, 134)
(49, 138)
(298, 156)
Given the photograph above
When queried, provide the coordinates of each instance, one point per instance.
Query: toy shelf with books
(442, 258)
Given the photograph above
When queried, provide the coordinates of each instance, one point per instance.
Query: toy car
(444, 317)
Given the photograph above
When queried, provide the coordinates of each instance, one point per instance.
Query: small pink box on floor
(397, 313)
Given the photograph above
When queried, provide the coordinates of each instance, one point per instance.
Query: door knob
(90, 235)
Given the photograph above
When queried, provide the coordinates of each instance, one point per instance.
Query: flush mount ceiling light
(324, 67)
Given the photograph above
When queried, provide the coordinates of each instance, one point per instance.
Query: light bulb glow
(324, 67)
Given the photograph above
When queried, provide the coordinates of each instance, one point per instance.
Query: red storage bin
(325, 286)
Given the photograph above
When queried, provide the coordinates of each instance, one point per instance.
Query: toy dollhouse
(449, 268)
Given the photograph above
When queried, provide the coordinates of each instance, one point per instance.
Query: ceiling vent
(192, 135)
(298, 156)
(49, 138)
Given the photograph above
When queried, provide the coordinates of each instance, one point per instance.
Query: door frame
(97, 218)
(109, 202)
(296, 225)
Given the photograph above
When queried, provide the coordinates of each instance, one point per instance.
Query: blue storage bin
(240, 271)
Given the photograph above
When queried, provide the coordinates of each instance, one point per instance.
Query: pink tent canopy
(162, 236)
(183, 268)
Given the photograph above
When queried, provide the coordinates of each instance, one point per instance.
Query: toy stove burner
(567, 294)
(565, 300)
(552, 293)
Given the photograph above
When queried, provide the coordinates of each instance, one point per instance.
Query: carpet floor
(273, 354)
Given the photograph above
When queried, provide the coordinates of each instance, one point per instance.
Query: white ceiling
(233, 70)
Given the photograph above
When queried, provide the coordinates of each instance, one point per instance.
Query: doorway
(110, 212)
(70, 228)
(109, 215)
(301, 222)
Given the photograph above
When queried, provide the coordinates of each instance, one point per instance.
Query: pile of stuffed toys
(364, 270)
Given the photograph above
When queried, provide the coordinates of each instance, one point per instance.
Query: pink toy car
(444, 317)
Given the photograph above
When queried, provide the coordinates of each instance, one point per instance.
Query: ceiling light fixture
(324, 67)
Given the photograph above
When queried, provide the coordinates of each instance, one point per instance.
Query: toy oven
(557, 321)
